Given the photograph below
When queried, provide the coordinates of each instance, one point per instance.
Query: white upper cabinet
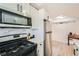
(9, 6)
(22, 8)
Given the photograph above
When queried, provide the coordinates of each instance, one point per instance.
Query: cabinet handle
(40, 44)
(21, 8)
(18, 7)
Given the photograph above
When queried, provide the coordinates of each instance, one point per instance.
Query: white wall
(61, 31)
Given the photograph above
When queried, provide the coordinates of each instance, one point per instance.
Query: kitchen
(39, 29)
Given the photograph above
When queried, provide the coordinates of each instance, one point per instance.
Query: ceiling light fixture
(64, 19)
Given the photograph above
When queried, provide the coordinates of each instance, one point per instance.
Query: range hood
(11, 19)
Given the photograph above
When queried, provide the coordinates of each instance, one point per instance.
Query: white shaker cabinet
(9, 6)
(22, 8)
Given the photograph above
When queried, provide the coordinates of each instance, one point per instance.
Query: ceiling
(57, 9)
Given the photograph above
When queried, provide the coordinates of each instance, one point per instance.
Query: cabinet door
(40, 48)
(23, 8)
(9, 6)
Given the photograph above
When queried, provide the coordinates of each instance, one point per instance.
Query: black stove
(18, 47)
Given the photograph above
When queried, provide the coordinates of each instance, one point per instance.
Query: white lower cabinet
(40, 49)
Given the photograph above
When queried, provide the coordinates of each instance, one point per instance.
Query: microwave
(7, 17)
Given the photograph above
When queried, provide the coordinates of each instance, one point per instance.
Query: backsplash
(9, 31)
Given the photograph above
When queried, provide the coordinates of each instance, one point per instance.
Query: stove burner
(18, 48)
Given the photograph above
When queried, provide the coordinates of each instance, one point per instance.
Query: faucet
(29, 36)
